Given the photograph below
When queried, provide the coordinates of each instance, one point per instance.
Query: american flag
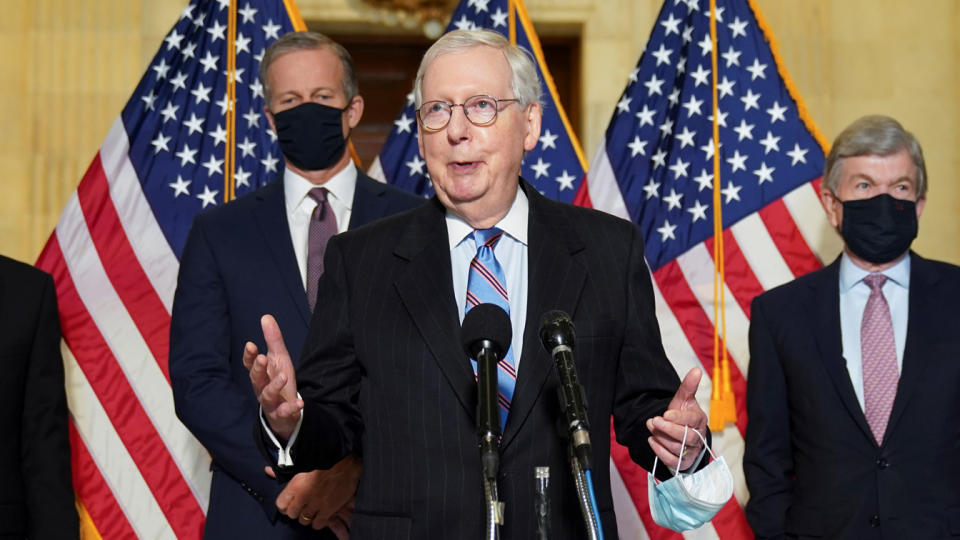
(555, 167)
(655, 167)
(115, 253)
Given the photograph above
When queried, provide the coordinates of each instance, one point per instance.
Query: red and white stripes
(786, 239)
(137, 469)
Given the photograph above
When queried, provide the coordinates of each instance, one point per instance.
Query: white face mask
(688, 501)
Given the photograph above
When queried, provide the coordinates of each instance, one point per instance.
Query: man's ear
(269, 115)
(420, 140)
(533, 117)
(355, 111)
(832, 206)
(921, 202)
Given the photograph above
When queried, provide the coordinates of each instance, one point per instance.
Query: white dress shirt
(853, 299)
(511, 253)
(300, 206)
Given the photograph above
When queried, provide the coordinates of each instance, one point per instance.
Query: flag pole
(229, 150)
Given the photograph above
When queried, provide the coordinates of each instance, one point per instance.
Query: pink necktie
(879, 357)
(323, 225)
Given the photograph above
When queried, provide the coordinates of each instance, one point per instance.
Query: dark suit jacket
(811, 462)
(237, 265)
(384, 357)
(36, 491)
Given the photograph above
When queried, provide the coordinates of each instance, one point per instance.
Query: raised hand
(273, 380)
(668, 430)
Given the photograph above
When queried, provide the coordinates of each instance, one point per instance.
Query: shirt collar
(341, 187)
(851, 274)
(513, 224)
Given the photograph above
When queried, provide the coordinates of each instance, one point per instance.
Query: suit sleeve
(217, 409)
(46, 448)
(768, 456)
(646, 380)
(329, 375)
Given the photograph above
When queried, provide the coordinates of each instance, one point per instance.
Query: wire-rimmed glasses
(480, 111)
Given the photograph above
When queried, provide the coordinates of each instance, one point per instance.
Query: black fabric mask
(879, 229)
(311, 135)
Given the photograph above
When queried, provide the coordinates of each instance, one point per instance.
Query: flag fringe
(787, 81)
(294, 13)
(88, 531)
(548, 79)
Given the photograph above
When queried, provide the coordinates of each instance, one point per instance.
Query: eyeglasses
(479, 110)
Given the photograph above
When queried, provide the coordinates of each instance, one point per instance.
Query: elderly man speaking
(383, 373)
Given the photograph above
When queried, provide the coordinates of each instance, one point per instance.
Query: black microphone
(485, 335)
(557, 336)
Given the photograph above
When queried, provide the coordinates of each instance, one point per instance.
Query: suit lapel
(554, 281)
(426, 290)
(921, 315)
(826, 299)
(270, 215)
(369, 202)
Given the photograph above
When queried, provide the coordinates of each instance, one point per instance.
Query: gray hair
(303, 41)
(523, 81)
(874, 135)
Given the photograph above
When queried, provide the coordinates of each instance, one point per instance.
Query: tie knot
(875, 282)
(487, 237)
(318, 194)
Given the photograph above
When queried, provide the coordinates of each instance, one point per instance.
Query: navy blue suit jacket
(811, 462)
(238, 264)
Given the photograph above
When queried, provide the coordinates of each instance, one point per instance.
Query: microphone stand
(488, 430)
(542, 502)
(557, 336)
(584, 496)
(493, 516)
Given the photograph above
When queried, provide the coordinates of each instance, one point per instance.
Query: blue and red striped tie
(486, 284)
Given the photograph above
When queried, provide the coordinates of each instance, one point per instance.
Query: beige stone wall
(69, 66)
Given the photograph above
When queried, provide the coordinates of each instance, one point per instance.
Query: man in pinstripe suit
(383, 374)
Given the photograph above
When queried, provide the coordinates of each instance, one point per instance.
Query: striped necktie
(486, 284)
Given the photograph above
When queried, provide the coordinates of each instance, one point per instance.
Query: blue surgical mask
(688, 501)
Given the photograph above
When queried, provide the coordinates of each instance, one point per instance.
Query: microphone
(557, 336)
(485, 335)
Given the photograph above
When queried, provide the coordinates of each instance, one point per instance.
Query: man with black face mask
(853, 372)
(263, 253)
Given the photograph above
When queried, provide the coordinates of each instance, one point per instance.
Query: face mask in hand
(688, 501)
(311, 135)
(879, 229)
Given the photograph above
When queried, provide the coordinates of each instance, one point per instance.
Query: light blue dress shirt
(511, 253)
(853, 299)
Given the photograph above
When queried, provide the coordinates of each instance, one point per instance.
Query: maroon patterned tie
(879, 357)
(323, 225)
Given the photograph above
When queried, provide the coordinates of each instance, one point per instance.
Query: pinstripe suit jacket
(383, 373)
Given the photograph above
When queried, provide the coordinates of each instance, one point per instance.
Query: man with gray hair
(850, 434)
(384, 373)
(263, 253)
